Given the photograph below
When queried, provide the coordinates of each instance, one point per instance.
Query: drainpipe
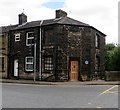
(35, 61)
(68, 66)
(40, 61)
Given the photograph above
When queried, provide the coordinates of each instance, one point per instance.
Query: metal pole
(35, 61)
(40, 61)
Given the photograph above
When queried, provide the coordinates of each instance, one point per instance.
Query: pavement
(95, 82)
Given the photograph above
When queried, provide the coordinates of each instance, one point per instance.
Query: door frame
(14, 68)
(69, 65)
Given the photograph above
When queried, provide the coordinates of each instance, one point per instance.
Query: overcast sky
(101, 14)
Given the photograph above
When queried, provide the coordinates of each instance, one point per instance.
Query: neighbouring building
(4, 36)
(59, 49)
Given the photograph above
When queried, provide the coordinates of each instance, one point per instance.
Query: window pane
(30, 38)
(29, 59)
(48, 64)
(0, 67)
(1, 63)
(30, 34)
(97, 62)
(97, 40)
(29, 66)
(48, 36)
(17, 37)
(30, 41)
(0, 60)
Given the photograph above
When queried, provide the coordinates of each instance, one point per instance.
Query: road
(59, 96)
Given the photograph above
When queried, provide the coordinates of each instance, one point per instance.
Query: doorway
(74, 70)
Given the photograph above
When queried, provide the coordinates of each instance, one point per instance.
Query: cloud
(9, 10)
(102, 14)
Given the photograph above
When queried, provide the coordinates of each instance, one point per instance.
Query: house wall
(62, 52)
(19, 50)
(63, 43)
(78, 42)
(4, 53)
(99, 52)
(86, 45)
(49, 39)
(73, 42)
(102, 56)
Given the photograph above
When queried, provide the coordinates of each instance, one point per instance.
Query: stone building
(59, 49)
(4, 36)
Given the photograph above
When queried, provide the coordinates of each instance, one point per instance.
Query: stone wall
(112, 75)
(4, 48)
(63, 43)
(19, 50)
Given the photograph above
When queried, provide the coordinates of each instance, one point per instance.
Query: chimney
(22, 18)
(60, 13)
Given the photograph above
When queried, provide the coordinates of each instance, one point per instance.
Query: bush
(113, 59)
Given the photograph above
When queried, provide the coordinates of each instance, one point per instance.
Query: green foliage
(109, 47)
(113, 58)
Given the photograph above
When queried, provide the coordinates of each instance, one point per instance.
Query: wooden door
(74, 70)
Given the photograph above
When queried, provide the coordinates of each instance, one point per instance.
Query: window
(2, 66)
(30, 38)
(17, 37)
(1, 35)
(48, 64)
(97, 40)
(29, 63)
(2, 49)
(97, 63)
(48, 36)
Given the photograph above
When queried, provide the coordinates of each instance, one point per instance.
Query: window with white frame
(30, 38)
(17, 37)
(48, 63)
(29, 63)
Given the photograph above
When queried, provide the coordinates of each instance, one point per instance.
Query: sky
(101, 14)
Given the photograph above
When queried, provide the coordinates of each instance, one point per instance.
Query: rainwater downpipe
(40, 59)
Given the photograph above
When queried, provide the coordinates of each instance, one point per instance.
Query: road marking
(89, 103)
(114, 92)
(106, 91)
(98, 107)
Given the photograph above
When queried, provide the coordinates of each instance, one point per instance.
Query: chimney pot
(60, 13)
(22, 18)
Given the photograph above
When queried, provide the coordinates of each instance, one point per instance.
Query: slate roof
(27, 25)
(4, 29)
(62, 20)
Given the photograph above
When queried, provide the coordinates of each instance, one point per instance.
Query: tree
(109, 47)
(113, 58)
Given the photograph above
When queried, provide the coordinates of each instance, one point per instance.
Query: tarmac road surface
(59, 96)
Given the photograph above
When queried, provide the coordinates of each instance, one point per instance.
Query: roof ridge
(78, 21)
(68, 20)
